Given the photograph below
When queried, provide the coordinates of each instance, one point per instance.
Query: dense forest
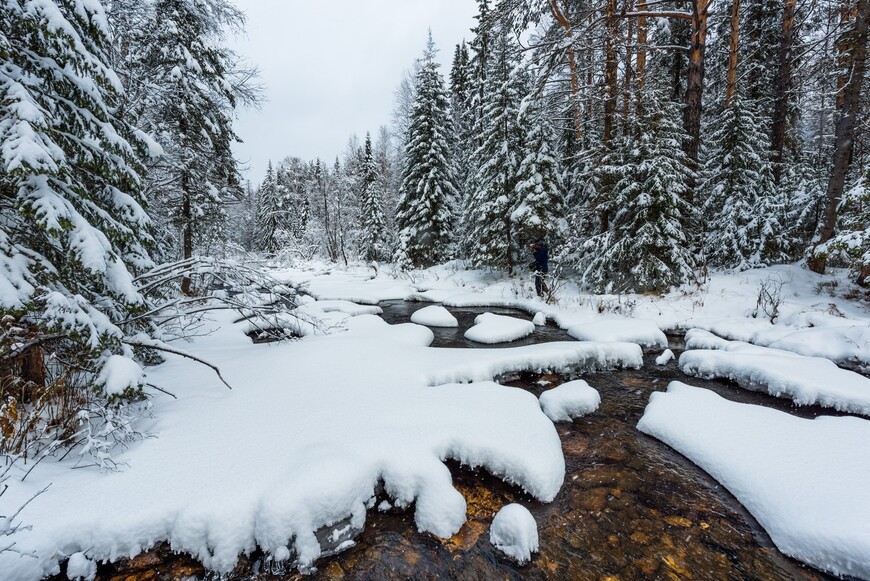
(645, 142)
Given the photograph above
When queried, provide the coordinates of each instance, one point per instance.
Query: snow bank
(569, 400)
(359, 288)
(489, 328)
(466, 299)
(309, 431)
(460, 365)
(806, 380)
(641, 331)
(346, 307)
(434, 316)
(805, 481)
(834, 338)
(514, 532)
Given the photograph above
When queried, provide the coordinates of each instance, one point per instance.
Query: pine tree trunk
(854, 51)
(628, 81)
(642, 30)
(695, 81)
(783, 80)
(733, 47)
(610, 71)
(187, 229)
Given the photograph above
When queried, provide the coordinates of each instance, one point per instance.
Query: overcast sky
(330, 68)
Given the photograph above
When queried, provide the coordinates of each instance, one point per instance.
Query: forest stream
(630, 508)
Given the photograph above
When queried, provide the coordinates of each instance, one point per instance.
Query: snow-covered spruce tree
(493, 197)
(737, 189)
(424, 214)
(373, 227)
(850, 246)
(191, 117)
(460, 88)
(540, 211)
(646, 247)
(270, 214)
(292, 179)
(73, 231)
(469, 141)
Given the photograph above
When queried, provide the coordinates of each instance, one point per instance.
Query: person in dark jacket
(540, 266)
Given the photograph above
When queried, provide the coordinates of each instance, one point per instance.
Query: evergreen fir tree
(646, 247)
(270, 214)
(73, 231)
(372, 224)
(460, 88)
(540, 211)
(738, 191)
(192, 117)
(292, 179)
(424, 214)
(493, 197)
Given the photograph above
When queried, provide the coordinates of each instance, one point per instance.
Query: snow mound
(514, 532)
(120, 373)
(641, 331)
(489, 328)
(540, 319)
(665, 357)
(805, 481)
(806, 380)
(434, 316)
(570, 400)
(78, 566)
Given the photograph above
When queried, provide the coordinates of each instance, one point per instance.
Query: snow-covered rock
(806, 380)
(540, 319)
(641, 331)
(490, 328)
(666, 356)
(434, 316)
(514, 532)
(570, 400)
(805, 481)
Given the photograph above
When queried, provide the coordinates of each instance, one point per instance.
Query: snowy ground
(313, 426)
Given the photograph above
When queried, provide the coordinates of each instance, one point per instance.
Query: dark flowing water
(630, 508)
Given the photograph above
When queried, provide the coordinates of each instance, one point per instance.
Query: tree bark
(854, 52)
(733, 47)
(628, 81)
(187, 229)
(783, 81)
(695, 85)
(642, 29)
(610, 71)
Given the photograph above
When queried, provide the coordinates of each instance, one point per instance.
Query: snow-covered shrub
(769, 298)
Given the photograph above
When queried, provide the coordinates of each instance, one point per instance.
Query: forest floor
(313, 430)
